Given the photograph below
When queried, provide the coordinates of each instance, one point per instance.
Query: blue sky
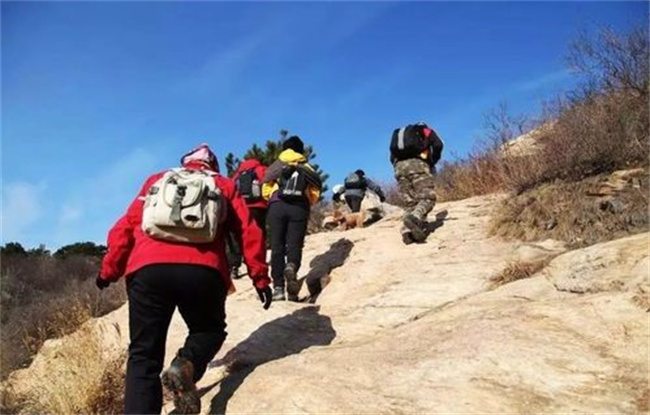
(98, 95)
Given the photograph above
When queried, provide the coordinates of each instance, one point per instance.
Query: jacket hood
(249, 164)
(290, 156)
(201, 156)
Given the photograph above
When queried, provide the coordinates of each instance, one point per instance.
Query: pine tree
(13, 248)
(81, 249)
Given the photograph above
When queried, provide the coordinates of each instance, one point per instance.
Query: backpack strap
(400, 138)
(177, 203)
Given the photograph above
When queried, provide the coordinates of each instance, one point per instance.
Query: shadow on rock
(274, 340)
(439, 222)
(322, 265)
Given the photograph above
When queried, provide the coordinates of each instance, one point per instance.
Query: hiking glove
(101, 283)
(265, 296)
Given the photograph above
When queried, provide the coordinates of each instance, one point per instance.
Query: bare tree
(612, 61)
(504, 126)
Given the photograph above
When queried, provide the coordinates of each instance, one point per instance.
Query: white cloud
(22, 207)
(96, 202)
(221, 70)
(120, 177)
(548, 79)
(70, 213)
(82, 210)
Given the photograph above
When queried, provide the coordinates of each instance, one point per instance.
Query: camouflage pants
(416, 187)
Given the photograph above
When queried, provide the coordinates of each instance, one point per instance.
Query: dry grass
(10, 401)
(642, 297)
(568, 211)
(80, 378)
(643, 401)
(595, 135)
(391, 191)
(517, 270)
(109, 396)
(600, 127)
(44, 298)
(481, 173)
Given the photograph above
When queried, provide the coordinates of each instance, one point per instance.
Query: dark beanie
(295, 143)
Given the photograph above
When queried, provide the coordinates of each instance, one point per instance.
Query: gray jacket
(274, 172)
(362, 192)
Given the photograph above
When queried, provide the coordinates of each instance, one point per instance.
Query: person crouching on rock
(170, 247)
(356, 185)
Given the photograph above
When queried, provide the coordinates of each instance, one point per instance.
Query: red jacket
(260, 170)
(130, 249)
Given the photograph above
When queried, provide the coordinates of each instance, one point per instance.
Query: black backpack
(355, 181)
(408, 142)
(249, 186)
(293, 184)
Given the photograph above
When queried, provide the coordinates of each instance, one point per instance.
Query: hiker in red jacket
(248, 180)
(170, 247)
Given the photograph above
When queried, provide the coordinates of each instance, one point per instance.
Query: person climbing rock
(291, 185)
(170, 248)
(248, 180)
(414, 152)
(356, 185)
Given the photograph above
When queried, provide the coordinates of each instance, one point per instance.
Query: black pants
(288, 226)
(234, 249)
(154, 292)
(354, 203)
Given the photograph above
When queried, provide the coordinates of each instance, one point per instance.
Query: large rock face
(390, 328)
(621, 265)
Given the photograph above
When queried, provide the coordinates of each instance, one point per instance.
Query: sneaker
(407, 238)
(179, 379)
(278, 294)
(293, 286)
(418, 228)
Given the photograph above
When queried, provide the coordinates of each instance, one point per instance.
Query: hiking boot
(407, 238)
(418, 228)
(179, 379)
(293, 286)
(278, 294)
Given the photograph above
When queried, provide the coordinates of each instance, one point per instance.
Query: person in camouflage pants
(414, 152)
(416, 187)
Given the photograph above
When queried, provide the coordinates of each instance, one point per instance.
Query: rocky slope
(422, 329)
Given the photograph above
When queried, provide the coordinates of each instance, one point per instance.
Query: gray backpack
(355, 181)
(184, 206)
